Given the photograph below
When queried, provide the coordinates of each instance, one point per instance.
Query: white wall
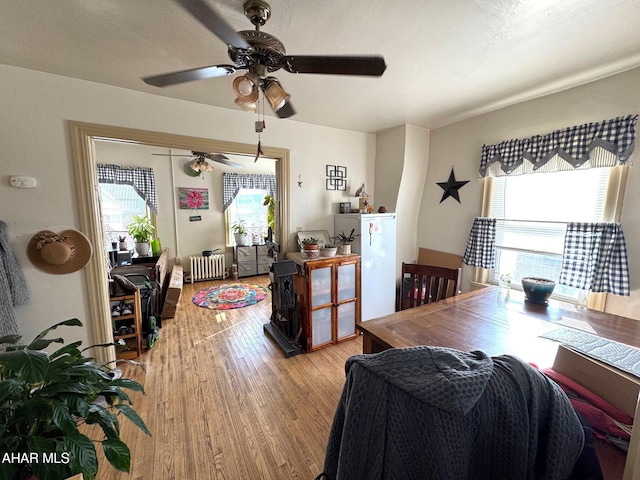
(34, 141)
(402, 158)
(416, 163)
(390, 151)
(445, 226)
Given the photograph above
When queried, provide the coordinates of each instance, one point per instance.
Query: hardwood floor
(222, 401)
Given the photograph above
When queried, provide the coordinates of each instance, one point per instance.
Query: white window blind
(532, 213)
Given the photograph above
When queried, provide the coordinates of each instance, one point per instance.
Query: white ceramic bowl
(328, 252)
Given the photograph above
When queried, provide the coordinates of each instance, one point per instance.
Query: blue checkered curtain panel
(595, 258)
(140, 178)
(599, 144)
(233, 182)
(481, 245)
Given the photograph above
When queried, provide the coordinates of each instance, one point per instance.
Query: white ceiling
(446, 59)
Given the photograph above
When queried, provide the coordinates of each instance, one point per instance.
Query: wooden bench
(174, 290)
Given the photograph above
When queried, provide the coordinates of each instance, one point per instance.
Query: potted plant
(44, 397)
(240, 234)
(122, 243)
(141, 229)
(328, 250)
(270, 203)
(310, 247)
(345, 241)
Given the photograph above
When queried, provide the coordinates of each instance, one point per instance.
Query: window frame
(612, 210)
(229, 220)
(148, 212)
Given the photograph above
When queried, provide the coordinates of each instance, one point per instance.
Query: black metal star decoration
(451, 187)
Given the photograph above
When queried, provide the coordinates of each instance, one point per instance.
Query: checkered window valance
(595, 258)
(140, 178)
(481, 245)
(600, 144)
(233, 182)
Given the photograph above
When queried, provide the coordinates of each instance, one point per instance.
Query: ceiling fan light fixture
(246, 106)
(274, 92)
(246, 87)
(200, 165)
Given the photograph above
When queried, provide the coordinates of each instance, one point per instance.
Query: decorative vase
(345, 249)
(123, 246)
(537, 290)
(155, 247)
(114, 245)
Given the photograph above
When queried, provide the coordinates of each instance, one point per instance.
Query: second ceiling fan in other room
(199, 163)
(261, 54)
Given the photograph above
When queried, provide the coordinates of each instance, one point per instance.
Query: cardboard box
(174, 290)
(439, 259)
(619, 388)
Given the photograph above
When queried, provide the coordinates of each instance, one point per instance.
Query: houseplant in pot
(270, 203)
(346, 241)
(122, 243)
(141, 229)
(45, 397)
(240, 234)
(310, 247)
(328, 250)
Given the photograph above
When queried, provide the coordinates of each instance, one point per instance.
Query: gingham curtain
(595, 258)
(140, 178)
(600, 144)
(481, 245)
(233, 182)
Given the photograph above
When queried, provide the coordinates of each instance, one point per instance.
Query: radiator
(207, 268)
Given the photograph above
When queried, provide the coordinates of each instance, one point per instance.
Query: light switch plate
(20, 181)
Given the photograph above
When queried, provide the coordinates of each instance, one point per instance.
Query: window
(248, 205)
(532, 212)
(118, 203)
(125, 191)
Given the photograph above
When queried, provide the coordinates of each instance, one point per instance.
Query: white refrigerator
(376, 244)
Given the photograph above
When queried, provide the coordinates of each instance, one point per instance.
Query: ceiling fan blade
(335, 65)
(224, 160)
(286, 111)
(218, 157)
(181, 76)
(172, 155)
(206, 15)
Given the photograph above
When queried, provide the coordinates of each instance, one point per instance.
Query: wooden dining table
(499, 323)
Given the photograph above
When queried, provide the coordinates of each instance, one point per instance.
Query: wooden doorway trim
(82, 138)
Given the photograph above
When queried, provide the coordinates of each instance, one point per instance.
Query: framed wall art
(193, 198)
(336, 177)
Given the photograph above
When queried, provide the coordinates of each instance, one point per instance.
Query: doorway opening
(82, 139)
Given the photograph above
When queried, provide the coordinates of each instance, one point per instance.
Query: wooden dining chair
(427, 283)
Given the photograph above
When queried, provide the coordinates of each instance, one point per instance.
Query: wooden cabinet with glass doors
(328, 292)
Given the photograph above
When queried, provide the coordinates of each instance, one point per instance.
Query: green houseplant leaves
(44, 397)
(141, 228)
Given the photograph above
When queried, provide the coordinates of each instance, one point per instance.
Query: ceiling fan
(200, 164)
(261, 54)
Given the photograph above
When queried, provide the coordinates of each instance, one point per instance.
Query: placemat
(618, 355)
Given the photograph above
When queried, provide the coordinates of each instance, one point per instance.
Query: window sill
(597, 302)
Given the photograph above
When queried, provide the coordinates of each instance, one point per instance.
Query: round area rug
(228, 296)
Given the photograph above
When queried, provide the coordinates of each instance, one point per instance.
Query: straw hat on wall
(58, 253)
